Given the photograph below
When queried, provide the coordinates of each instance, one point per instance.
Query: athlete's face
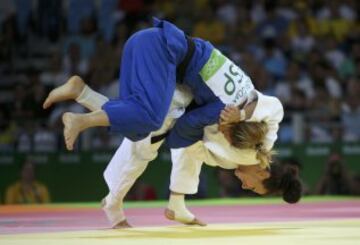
(252, 178)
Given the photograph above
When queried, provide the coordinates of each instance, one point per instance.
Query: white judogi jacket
(215, 150)
(131, 159)
(270, 110)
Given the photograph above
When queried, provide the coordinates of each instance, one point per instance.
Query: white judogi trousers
(131, 158)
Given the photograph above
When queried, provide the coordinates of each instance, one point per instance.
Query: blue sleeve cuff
(190, 127)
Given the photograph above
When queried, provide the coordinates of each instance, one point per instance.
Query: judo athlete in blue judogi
(154, 62)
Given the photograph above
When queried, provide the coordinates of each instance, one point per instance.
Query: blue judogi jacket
(147, 83)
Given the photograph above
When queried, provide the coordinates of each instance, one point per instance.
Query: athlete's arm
(233, 114)
(190, 127)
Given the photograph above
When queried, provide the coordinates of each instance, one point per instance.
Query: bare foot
(70, 90)
(170, 214)
(72, 127)
(122, 225)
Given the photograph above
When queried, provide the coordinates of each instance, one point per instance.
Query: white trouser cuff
(91, 99)
(113, 210)
(177, 204)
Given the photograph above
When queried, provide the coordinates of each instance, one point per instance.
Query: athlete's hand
(230, 114)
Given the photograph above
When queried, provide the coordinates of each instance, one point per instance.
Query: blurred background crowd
(305, 52)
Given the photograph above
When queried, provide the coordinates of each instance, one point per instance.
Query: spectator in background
(44, 139)
(103, 66)
(227, 12)
(323, 113)
(27, 190)
(73, 63)
(23, 15)
(107, 18)
(348, 67)
(24, 135)
(49, 18)
(336, 179)
(210, 28)
(36, 95)
(304, 21)
(294, 82)
(77, 11)
(273, 25)
(303, 32)
(273, 61)
(324, 82)
(166, 9)
(135, 11)
(350, 111)
(8, 33)
(331, 21)
(302, 41)
(263, 81)
(333, 54)
(85, 39)
(21, 107)
(54, 76)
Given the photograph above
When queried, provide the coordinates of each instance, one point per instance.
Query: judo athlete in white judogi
(132, 158)
(148, 80)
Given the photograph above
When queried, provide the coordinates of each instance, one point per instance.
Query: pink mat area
(17, 219)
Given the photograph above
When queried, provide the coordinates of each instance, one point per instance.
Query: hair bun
(293, 170)
(291, 185)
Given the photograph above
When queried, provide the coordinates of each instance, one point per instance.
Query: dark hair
(284, 180)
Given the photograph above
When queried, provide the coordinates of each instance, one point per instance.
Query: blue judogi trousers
(147, 80)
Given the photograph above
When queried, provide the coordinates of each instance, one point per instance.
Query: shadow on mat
(191, 233)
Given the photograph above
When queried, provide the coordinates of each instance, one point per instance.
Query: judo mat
(252, 221)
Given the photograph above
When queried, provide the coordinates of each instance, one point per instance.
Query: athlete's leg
(147, 84)
(186, 167)
(75, 123)
(76, 89)
(132, 158)
(177, 211)
(68, 91)
(128, 163)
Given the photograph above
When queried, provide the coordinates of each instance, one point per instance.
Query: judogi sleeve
(269, 110)
(190, 127)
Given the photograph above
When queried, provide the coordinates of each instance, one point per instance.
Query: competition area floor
(241, 221)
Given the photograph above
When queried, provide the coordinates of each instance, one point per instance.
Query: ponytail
(250, 135)
(264, 156)
(290, 185)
